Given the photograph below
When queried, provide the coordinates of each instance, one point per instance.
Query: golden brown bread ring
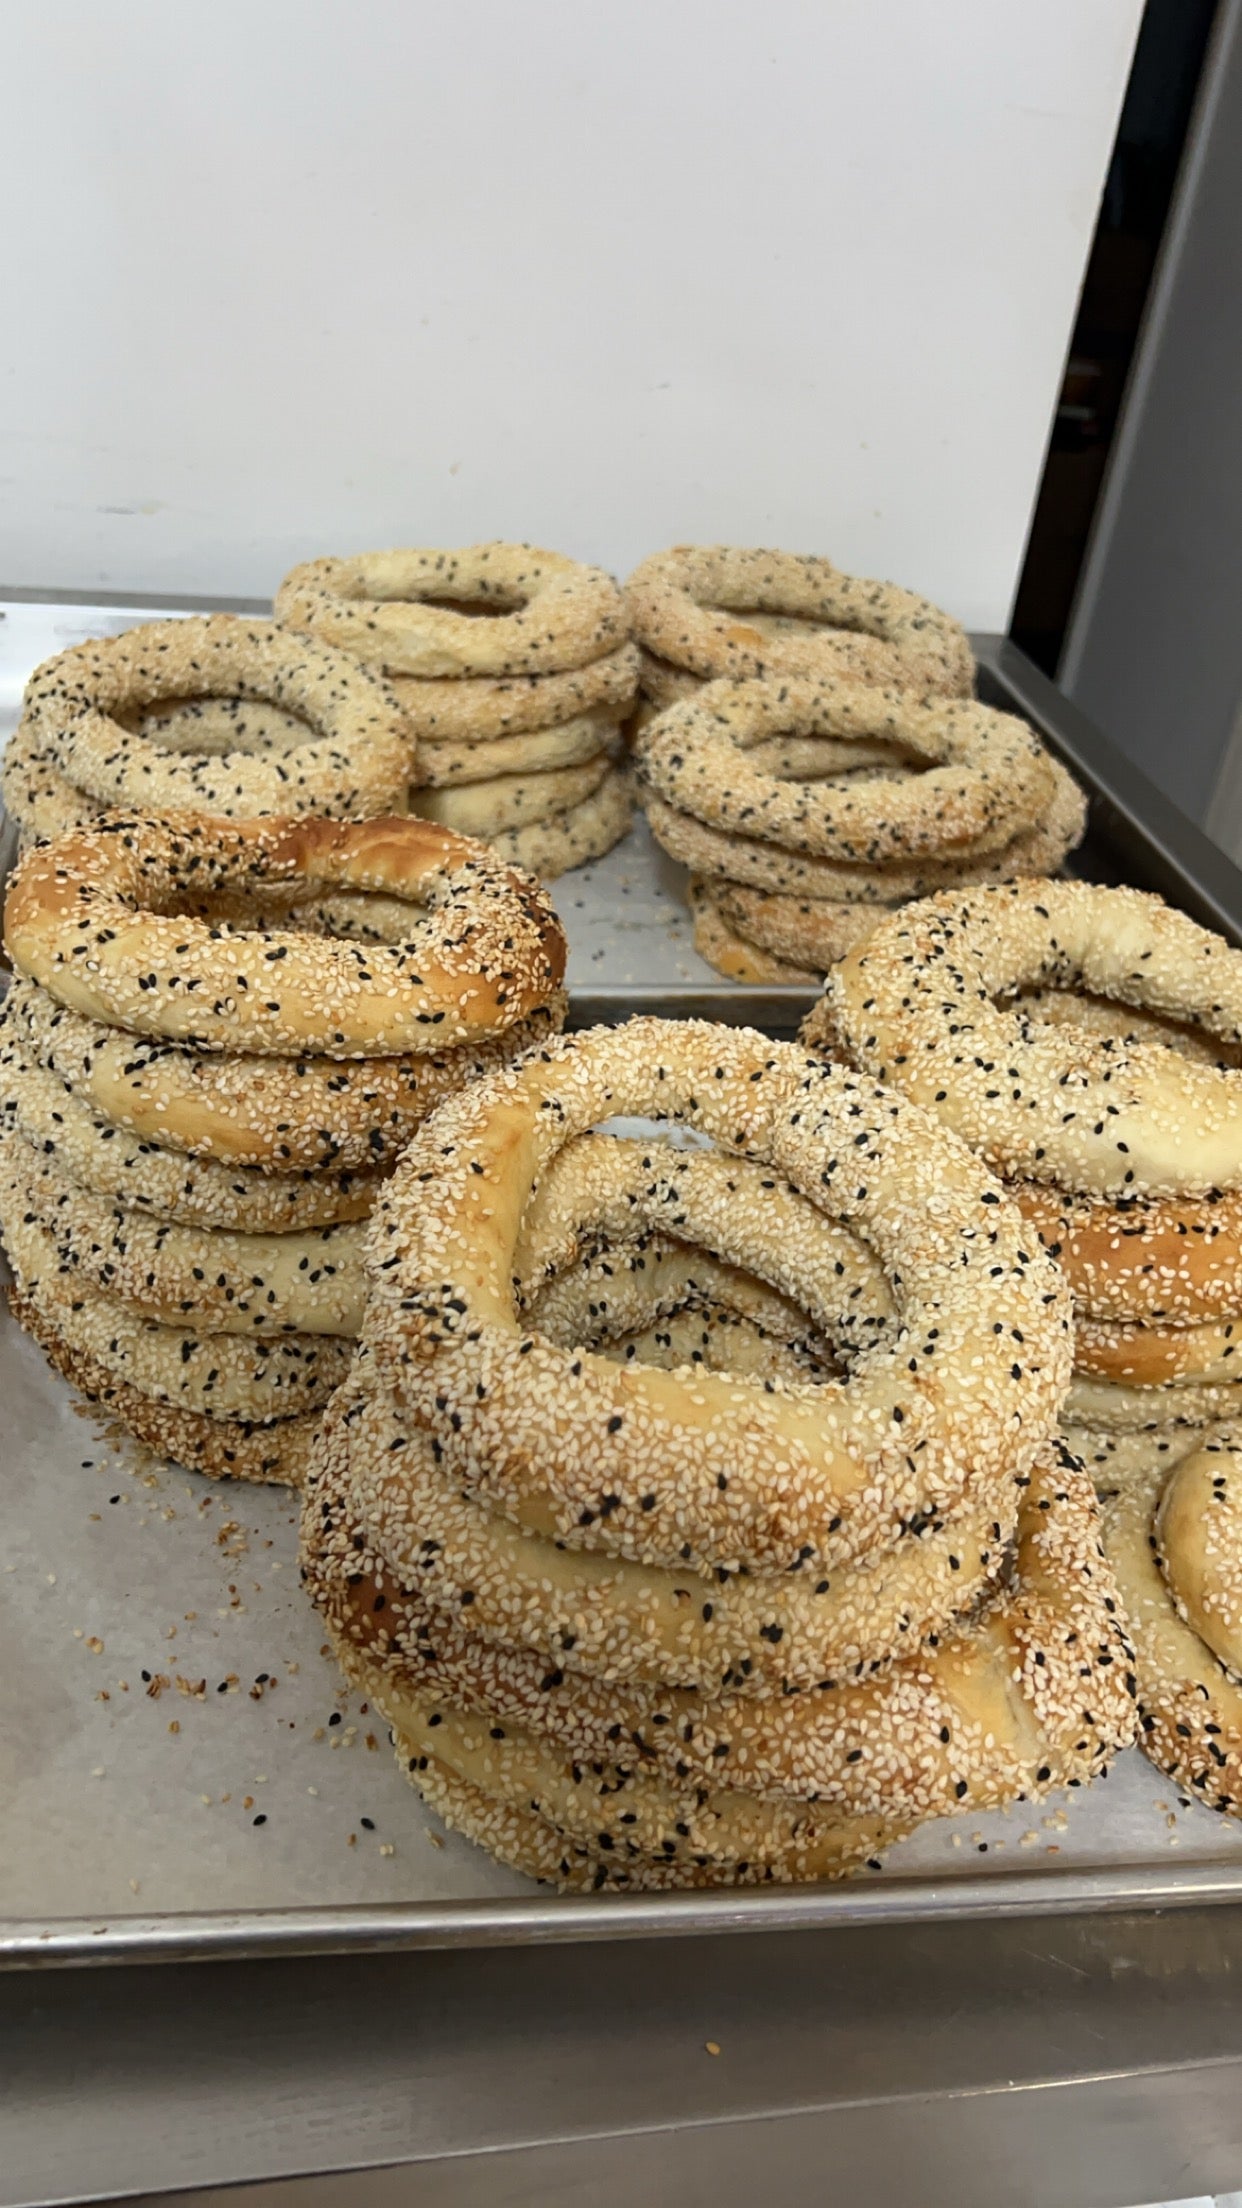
(1158, 1355)
(527, 1842)
(916, 1003)
(225, 1376)
(357, 755)
(1142, 1258)
(718, 1473)
(399, 610)
(727, 949)
(1178, 1579)
(214, 1280)
(984, 775)
(289, 1114)
(83, 917)
(612, 1619)
(275, 1450)
(483, 708)
(1034, 1691)
(689, 607)
(795, 874)
(488, 808)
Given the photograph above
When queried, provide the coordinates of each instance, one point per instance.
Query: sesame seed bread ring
(986, 775)
(709, 1334)
(1030, 1692)
(223, 1448)
(197, 1192)
(729, 951)
(38, 798)
(573, 838)
(287, 1114)
(450, 711)
(1142, 1258)
(400, 610)
(614, 1297)
(446, 765)
(1113, 1458)
(83, 917)
(766, 866)
(1118, 1406)
(1124, 1023)
(704, 1470)
(809, 933)
(614, 1619)
(356, 757)
(511, 800)
(224, 1375)
(1190, 1704)
(526, 1842)
(218, 726)
(1158, 1355)
(214, 1279)
(915, 1004)
(689, 606)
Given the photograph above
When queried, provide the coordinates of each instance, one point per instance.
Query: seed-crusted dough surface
(689, 606)
(1142, 1258)
(915, 1004)
(83, 712)
(483, 707)
(450, 764)
(83, 917)
(572, 838)
(986, 775)
(705, 1471)
(401, 610)
(728, 950)
(512, 800)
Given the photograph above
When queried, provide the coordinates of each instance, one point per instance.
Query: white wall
(288, 276)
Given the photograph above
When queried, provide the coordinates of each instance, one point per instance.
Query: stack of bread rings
(693, 1515)
(212, 713)
(515, 672)
(1087, 1042)
(218, 1039)
(811, 751)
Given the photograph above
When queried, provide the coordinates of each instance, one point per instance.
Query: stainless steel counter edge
(574, 1918)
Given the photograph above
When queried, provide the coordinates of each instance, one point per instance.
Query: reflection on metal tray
(180, 1774)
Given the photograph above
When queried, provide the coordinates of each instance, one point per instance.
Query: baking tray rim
(1178, 856)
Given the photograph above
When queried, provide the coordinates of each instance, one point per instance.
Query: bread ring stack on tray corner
(515, 671)
(812, 751)
(1087, 1042)
(695, 1515)
(213, 713)
(218, 1038)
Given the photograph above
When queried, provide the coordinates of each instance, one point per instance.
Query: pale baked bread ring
(1031, 1692)
(828, 1477)
(573, 838)
(276, 1450)
(483, 708)
(310, 1114)
(1117, 1406)
(543, 613)
(141, 1175)
(448, 765)
(222, 1375)
(810, 933)
(767, 866)
(915, 1003)
(215, 1280)
(985, 775)
(1190, 1704)
(488, 808)
(689, 606)
(357, 755)
(725, 948)
(38, 798)
(83, 917)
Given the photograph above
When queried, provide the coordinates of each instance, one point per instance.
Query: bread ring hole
(217, 727)
(1118, 1026)
(483, 600)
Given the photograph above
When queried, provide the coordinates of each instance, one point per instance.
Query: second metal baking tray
(181, 1774)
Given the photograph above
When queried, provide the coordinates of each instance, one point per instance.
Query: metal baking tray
(181, 1774)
